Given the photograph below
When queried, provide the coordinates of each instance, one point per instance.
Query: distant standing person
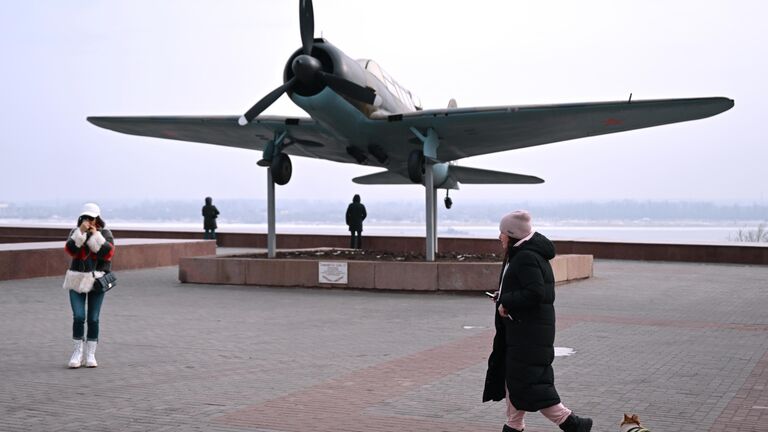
(210, 213)
(355, 216)
(91, 247)
(520, 365)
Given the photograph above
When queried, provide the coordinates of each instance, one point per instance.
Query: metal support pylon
(270, 150)
(430, 144)
(429, 187)
(271, 236)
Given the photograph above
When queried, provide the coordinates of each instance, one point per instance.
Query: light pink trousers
(516, 418)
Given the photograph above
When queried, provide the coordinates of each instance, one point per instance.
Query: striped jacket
(90, 252)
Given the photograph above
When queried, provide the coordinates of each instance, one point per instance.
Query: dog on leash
(631, 423)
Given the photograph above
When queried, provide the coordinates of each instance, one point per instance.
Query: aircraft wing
(311, 139)
(468, 132)
(463, 132)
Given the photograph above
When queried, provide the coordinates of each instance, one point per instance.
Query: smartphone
(489, 294)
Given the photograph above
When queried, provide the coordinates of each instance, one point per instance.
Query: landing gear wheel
(281, 169)
(416, 166)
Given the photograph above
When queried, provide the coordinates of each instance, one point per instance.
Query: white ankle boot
(77, 355)
(90, 359)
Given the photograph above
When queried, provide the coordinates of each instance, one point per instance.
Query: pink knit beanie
(517, 224)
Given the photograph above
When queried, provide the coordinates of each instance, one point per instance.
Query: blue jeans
(77, 301)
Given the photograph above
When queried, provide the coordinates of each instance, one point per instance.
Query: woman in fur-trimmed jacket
(91, 247)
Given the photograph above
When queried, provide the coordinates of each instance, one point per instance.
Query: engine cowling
(326, 58)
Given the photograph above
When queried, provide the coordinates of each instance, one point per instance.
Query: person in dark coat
(355, 216)
(520, 365)
(210, 213)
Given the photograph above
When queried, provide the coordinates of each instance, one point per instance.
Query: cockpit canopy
(396, 89)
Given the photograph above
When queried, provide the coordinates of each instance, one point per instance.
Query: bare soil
(372, 255)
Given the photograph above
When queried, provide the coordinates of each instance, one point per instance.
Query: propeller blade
(264, 103)
(348, 88)
(307, 21)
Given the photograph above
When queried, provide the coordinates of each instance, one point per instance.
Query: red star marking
(169, 134)
(612, 122)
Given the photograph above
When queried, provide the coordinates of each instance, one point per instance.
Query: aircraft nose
(305, 67)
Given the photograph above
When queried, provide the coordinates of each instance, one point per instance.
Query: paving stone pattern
(685, 346)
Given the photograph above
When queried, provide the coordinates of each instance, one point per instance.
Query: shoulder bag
(106, 282)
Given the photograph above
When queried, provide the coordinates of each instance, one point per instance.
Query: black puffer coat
(523, 348)
(356, 214)
(210, 213)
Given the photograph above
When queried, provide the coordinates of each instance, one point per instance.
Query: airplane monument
(359, 114)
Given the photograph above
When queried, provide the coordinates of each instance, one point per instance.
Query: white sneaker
(90, 360)
(77, 355)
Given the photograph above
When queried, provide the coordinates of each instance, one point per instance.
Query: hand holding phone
(503, 312)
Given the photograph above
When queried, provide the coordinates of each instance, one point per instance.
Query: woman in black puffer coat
(520, 365)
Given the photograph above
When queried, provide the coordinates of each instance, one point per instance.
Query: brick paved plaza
(683, 345)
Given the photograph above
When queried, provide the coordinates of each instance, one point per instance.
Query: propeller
(307, 23)
(264, 103)
(308, 70)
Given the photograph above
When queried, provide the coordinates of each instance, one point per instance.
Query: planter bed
(365, 271)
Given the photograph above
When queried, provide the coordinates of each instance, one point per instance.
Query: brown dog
(631, 423)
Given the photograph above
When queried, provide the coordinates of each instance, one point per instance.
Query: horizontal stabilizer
(480, 176)
(384, 177)
(457, 173)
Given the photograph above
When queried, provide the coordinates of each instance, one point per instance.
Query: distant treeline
(332, 212)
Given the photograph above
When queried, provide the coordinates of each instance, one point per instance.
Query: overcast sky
(64, 61)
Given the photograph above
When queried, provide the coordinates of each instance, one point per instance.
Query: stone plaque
(332, 272)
